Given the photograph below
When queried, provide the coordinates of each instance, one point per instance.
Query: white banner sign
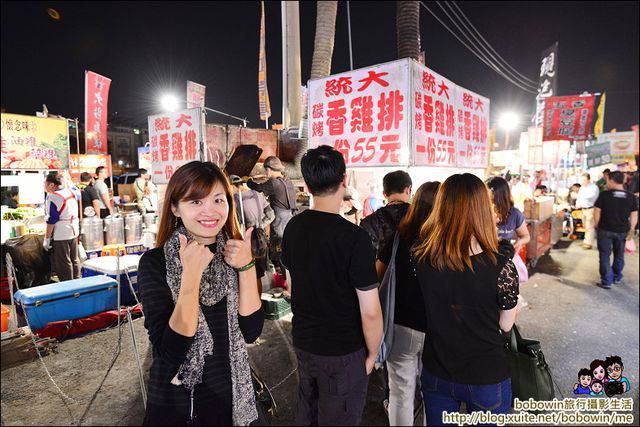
(365, 114)
(175, 139)
(434, 118)
(398, 114)
(622, 145)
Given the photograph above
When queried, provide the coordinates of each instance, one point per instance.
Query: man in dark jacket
(382, 224)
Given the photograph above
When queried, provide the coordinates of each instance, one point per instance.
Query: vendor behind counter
(10, 197)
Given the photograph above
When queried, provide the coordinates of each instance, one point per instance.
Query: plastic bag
(630, 246)
(523, 273)
(82, 254)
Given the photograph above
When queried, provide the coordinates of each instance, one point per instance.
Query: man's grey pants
(64, 259)
(332, 389)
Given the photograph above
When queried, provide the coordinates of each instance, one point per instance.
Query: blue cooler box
(68, 300)
(108, 265)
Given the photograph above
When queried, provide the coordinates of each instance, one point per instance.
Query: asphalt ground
(574, 319)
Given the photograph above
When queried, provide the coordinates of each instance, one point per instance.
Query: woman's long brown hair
(502, 200)
(419, 211)
(462, 210)
(194, 181)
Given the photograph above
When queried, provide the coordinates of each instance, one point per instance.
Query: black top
(463, 343)
(615, 207)
(10, 202)
(170, 348)
(383, 223)
(328, 258)
(409, 303)
(281, 192)
(89, 194)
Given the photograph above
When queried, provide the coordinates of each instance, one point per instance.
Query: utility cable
(496, 66)
(523, 77)
(472, 51)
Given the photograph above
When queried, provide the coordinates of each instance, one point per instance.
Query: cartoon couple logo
(602, 377)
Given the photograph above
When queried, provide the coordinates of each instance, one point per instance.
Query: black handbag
(530, 374)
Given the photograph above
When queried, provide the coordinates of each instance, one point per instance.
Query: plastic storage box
(109, 265)
(68, 300)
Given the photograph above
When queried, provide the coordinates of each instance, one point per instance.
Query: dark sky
(147, 48)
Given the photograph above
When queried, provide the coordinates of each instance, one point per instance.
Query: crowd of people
(456, 294)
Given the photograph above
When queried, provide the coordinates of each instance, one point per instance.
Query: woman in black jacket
(199, 292)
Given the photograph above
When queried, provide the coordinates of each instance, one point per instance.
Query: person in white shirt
(587, 196)
(103, 192)
(61, 207)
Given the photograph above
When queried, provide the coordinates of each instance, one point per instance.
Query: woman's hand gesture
(237, 253)
(194, 257)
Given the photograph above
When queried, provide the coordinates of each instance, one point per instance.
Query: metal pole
(135, 350)
(228, 115)
(285, 118)
(349, 32)
(77, 136)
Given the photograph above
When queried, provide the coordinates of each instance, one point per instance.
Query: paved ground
(575, 321)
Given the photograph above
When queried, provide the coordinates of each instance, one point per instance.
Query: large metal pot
(114, 230)
(133, 228)
(92, 233)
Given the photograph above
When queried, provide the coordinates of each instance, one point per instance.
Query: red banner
(568, 117)
(96, 97)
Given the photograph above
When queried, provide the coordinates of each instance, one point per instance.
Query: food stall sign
(88, 163)
(34, 143)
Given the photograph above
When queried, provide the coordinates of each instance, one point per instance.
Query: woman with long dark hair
(199, 292)
(470, 292)
(409, 315)
(511, 222)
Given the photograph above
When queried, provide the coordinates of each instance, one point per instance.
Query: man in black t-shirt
(90, 198)
(615, 216)
(383, 223)
(337, 320)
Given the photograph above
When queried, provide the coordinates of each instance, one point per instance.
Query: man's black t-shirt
(615, 208)
(329, 258)
(409, 303)
(89, 194)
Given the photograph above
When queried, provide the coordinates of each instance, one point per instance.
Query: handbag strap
(396, 243)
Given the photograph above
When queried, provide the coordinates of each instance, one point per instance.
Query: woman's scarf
(219, 280)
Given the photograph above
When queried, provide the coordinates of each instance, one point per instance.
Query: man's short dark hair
(395, 182)
(99, 169)
(584, 372)
(606, 171)
(85, 177)
(53, 178)
(323, 170)
(142, 172)
(617, 177)
(611, 360)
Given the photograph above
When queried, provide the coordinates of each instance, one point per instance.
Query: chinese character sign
(364, 114)
(34, 143)
(175, 139)
(433, 118)
(472, 112)
(144, 158)
(568, 117)
(195, 95)
(96, 97)
(548, 80)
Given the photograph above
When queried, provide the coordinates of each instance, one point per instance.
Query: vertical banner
(176, 139)
(263, 92)
(365, 114)
(472, 130)
(195, 95)
(548, 81)
(96, 98)
(568, 117)
(434, 118)
(598, 128)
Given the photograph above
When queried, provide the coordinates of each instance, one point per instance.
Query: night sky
(148, 48)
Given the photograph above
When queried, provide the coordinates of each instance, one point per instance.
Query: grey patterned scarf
(219, 280)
